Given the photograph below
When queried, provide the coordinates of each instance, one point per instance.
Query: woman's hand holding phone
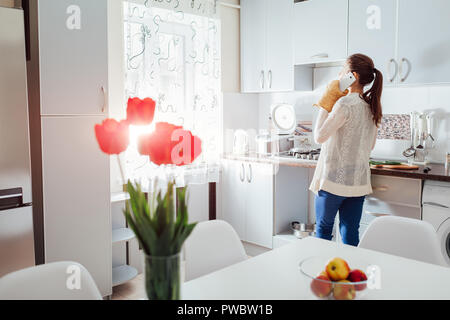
(332, 94)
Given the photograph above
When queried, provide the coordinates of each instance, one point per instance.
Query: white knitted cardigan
(348, 135)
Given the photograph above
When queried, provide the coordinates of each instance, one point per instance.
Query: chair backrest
(213, 245)
(53, 281)
(408, 238)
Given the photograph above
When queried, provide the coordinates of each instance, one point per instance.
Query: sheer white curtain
(172, 54)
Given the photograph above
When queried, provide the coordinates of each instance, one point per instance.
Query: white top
(348, 135)
(276, 275)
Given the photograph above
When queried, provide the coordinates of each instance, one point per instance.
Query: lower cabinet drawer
(375, 208)
(397, 190)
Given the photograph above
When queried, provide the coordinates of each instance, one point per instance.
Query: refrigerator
(16, 210)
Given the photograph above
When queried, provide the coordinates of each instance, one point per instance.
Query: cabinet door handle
(242, 177)
(250, 174)
(381, 188)
(320, 55)
(262, 80)
(270, 79)
(392, 77)
(105, 99)
(404, 77)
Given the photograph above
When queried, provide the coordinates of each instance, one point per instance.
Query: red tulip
(113, 137)
(170, 144)
(140, 112)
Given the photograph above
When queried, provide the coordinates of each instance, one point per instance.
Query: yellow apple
(337, 269)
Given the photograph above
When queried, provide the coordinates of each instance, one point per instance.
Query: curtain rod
(225, 4)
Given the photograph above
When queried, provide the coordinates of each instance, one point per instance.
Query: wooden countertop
(437, 172)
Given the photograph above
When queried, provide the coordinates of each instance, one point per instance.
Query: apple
(338, 269)
(344, 290)
(321, 286)
(358, 276)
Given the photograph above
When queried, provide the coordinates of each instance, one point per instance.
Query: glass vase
(162, 277)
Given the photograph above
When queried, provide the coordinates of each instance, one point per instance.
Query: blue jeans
(350, 212)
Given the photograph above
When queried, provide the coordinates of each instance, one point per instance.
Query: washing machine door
(444, 238)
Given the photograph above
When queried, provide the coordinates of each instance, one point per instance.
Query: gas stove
(302, 154)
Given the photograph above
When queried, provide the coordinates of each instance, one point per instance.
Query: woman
(348, 135)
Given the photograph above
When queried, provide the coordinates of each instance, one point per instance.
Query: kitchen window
(173, 55)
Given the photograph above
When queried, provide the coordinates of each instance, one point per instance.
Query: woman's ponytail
(363, 65)
(373, 97)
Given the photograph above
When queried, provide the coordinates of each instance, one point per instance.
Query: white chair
(54, 281)
(408, 238)
(213, 245)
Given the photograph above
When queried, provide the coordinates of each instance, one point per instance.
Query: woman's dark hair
(365, 68)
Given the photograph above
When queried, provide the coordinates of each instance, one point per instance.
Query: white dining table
(275, 275)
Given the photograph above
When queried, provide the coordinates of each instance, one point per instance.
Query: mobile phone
(347, 81)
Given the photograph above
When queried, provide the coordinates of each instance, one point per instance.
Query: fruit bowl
(335, 279)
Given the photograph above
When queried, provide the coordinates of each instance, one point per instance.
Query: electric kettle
(241, 142)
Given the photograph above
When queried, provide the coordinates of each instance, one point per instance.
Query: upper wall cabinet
(424, 41)
(73, 56)
(320, 31)
(409, 40)
(371, 23)
(267, 45)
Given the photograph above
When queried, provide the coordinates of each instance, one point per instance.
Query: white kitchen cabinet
(414, 34)
(76, 196)
(73, 72)
(280, 45)
(371, 23)
(73, 44)
(253, 45)
(320, 31)
(247, 200)
(234, 188)
(267, 45)
(424, 41)
(259, 202)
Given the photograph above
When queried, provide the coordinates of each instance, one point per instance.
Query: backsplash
(395, 127)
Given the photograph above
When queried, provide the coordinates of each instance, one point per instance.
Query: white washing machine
(436, 210)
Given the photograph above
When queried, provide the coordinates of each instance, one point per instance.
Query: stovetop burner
(304, 154)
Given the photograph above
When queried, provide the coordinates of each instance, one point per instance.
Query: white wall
(240, 111)
(231, 78)
(421, 98)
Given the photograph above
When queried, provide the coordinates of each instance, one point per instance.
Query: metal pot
(302, 230)
(285, 143)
